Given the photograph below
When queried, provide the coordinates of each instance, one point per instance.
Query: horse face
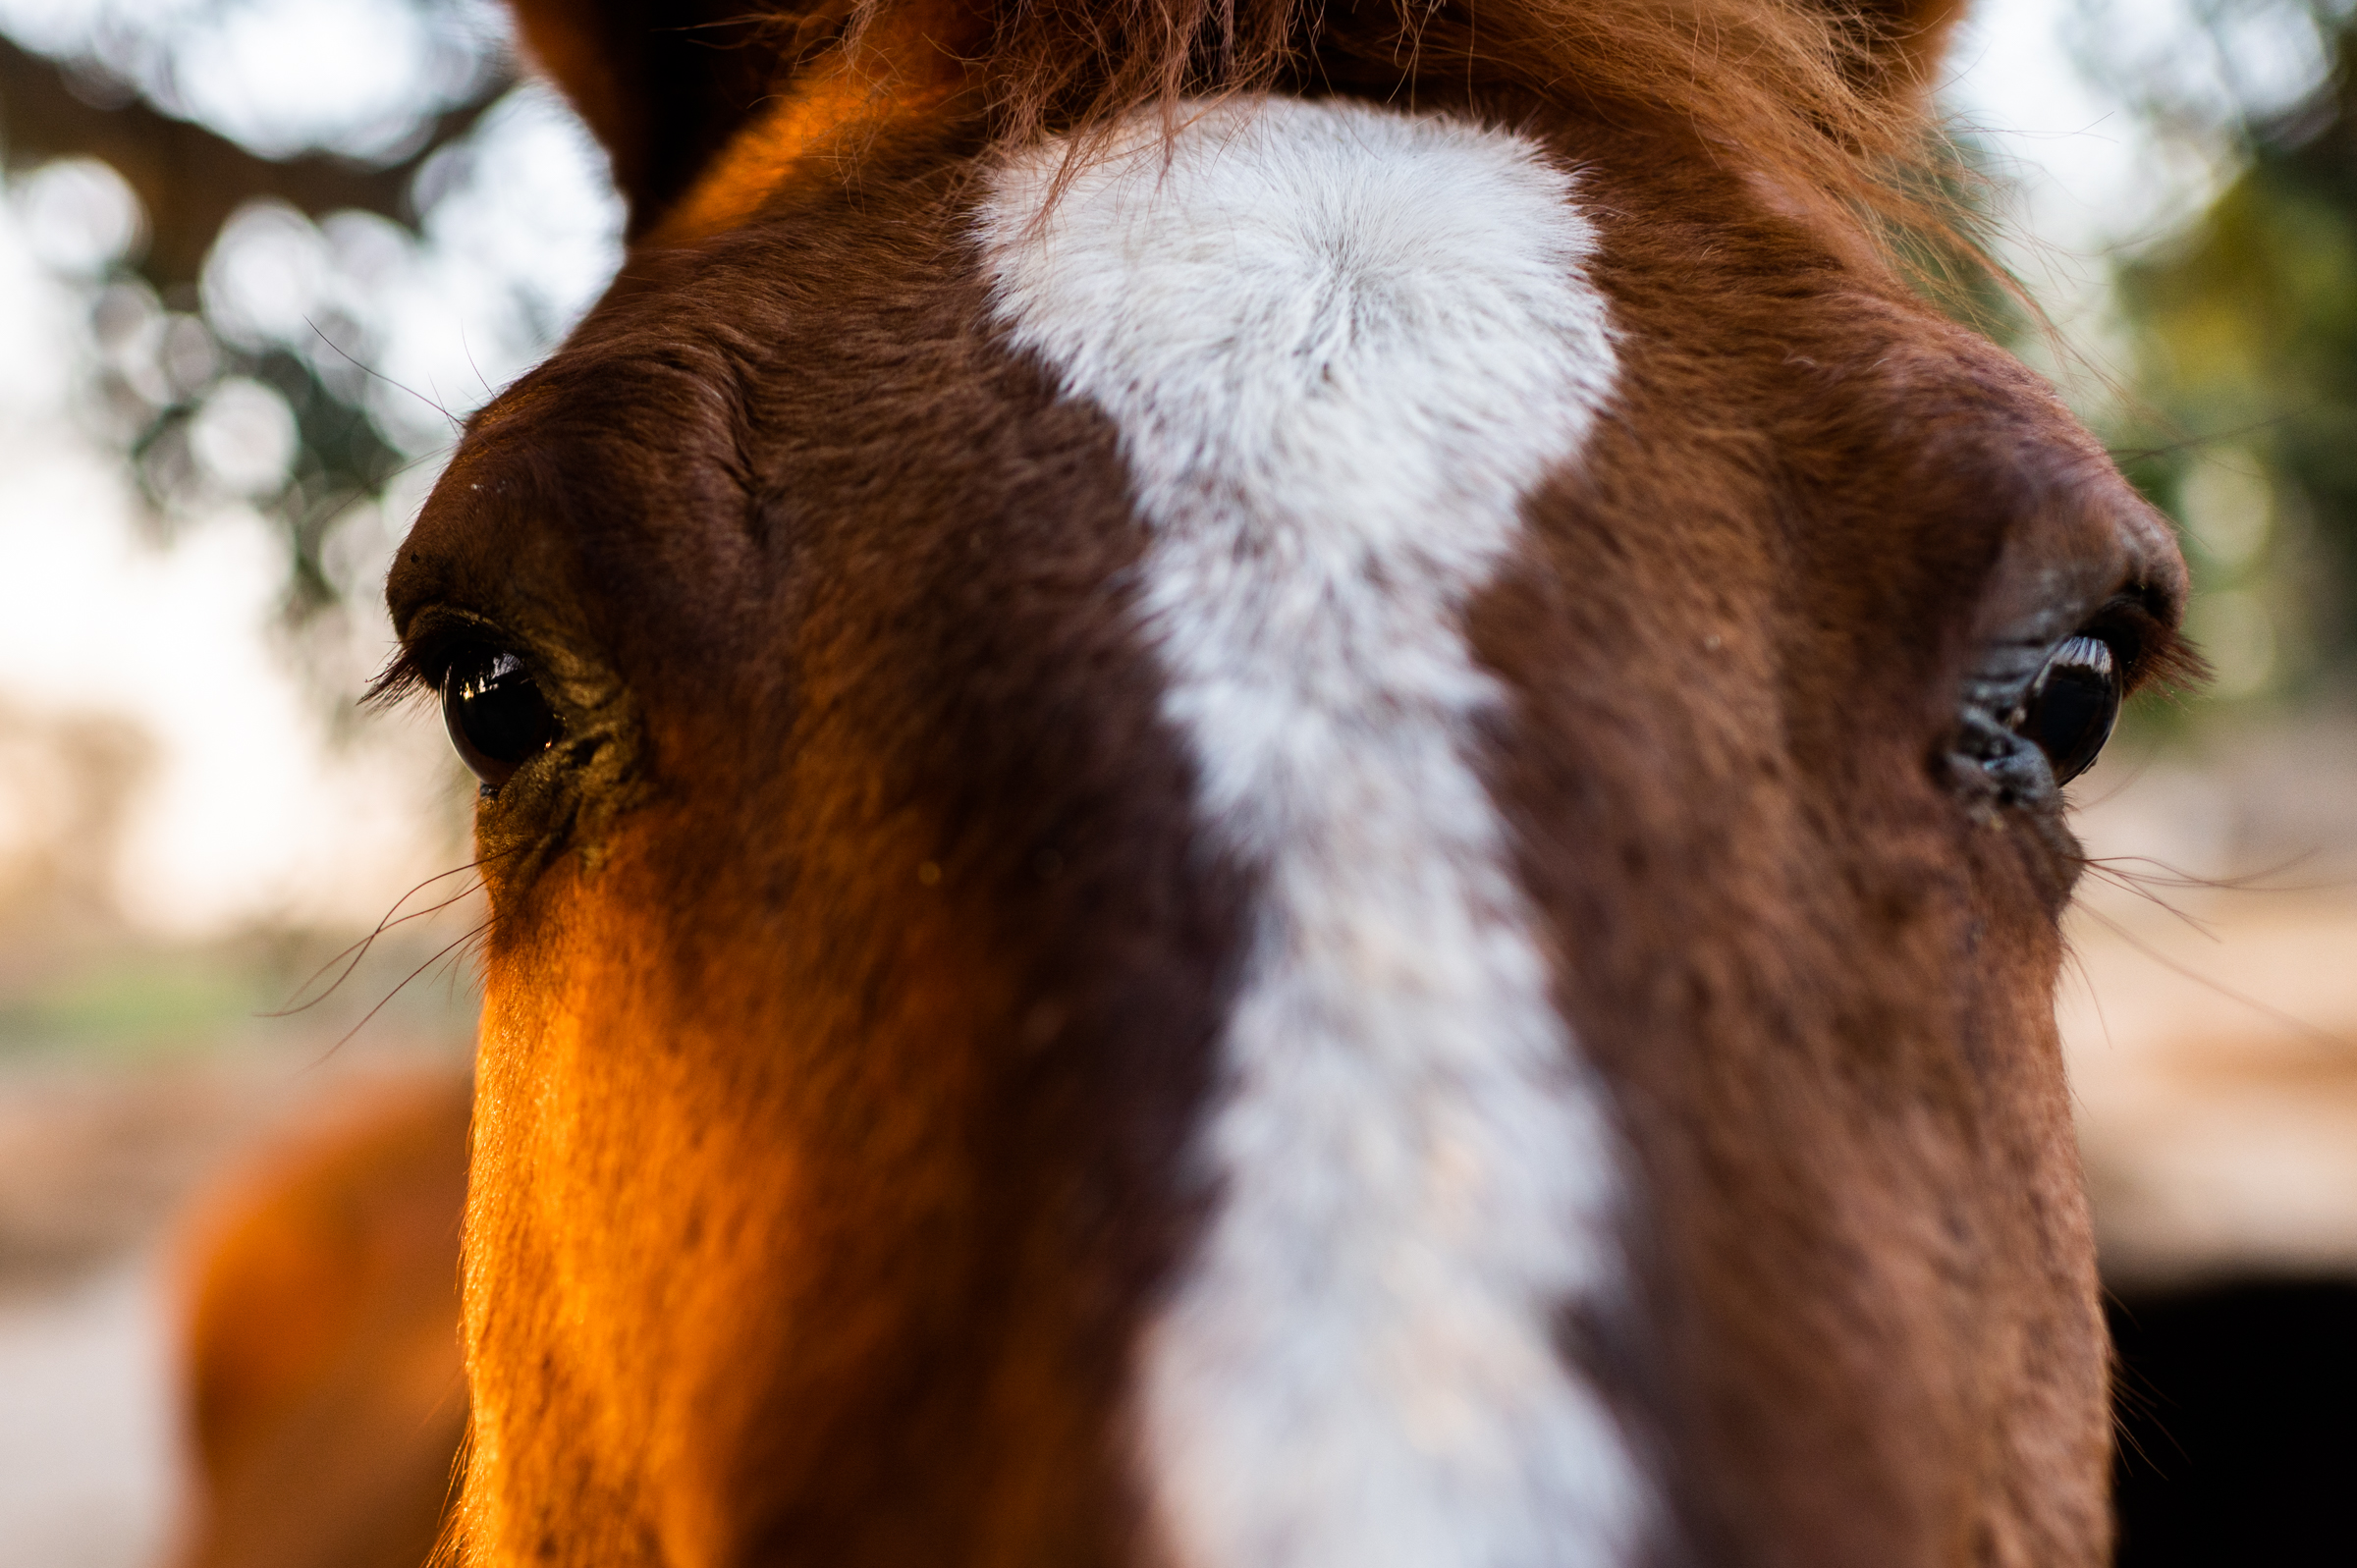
(1332, 843)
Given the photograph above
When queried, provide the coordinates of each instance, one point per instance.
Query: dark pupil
(497, 717)
(2072, 709)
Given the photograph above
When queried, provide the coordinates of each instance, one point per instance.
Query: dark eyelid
(2136, 621)
(2154, 652)
(428, 646)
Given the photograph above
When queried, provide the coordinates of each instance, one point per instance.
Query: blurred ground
(2210, 1011)
(87, 1456)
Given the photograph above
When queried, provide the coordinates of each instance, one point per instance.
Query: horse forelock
(1822, 103)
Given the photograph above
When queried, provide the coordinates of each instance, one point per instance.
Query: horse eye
(496, 716)
(2072, 705)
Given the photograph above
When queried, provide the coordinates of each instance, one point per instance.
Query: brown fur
(854, 965)
(1824, 99)
(325, 1394)
(1871, 1321)
(939, 1162)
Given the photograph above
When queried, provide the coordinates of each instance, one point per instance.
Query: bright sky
(254, 811)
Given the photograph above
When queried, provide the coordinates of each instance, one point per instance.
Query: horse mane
(1825, 97)
(1823, 101)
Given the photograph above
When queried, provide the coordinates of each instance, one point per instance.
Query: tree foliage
(164, 354)
(2246, 325)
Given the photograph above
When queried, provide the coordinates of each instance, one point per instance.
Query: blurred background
(257, 257)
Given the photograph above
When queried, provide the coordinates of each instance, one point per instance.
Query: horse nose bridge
(1951, 408)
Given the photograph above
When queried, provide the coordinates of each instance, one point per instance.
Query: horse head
(1272, 788)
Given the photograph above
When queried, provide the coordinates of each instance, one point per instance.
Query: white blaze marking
(1341, 345)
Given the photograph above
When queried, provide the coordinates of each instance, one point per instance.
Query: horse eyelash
(420, 666)
(405, 676)
(2163, 657)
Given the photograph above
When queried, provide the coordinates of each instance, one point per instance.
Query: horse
(323, 1396)
(1270, 786)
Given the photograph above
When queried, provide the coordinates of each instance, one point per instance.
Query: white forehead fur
(1342, 345)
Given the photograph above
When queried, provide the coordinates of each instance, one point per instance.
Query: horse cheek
(560, 1425)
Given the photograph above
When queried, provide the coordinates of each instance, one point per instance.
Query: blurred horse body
(325, 1394)
(1269, 788)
